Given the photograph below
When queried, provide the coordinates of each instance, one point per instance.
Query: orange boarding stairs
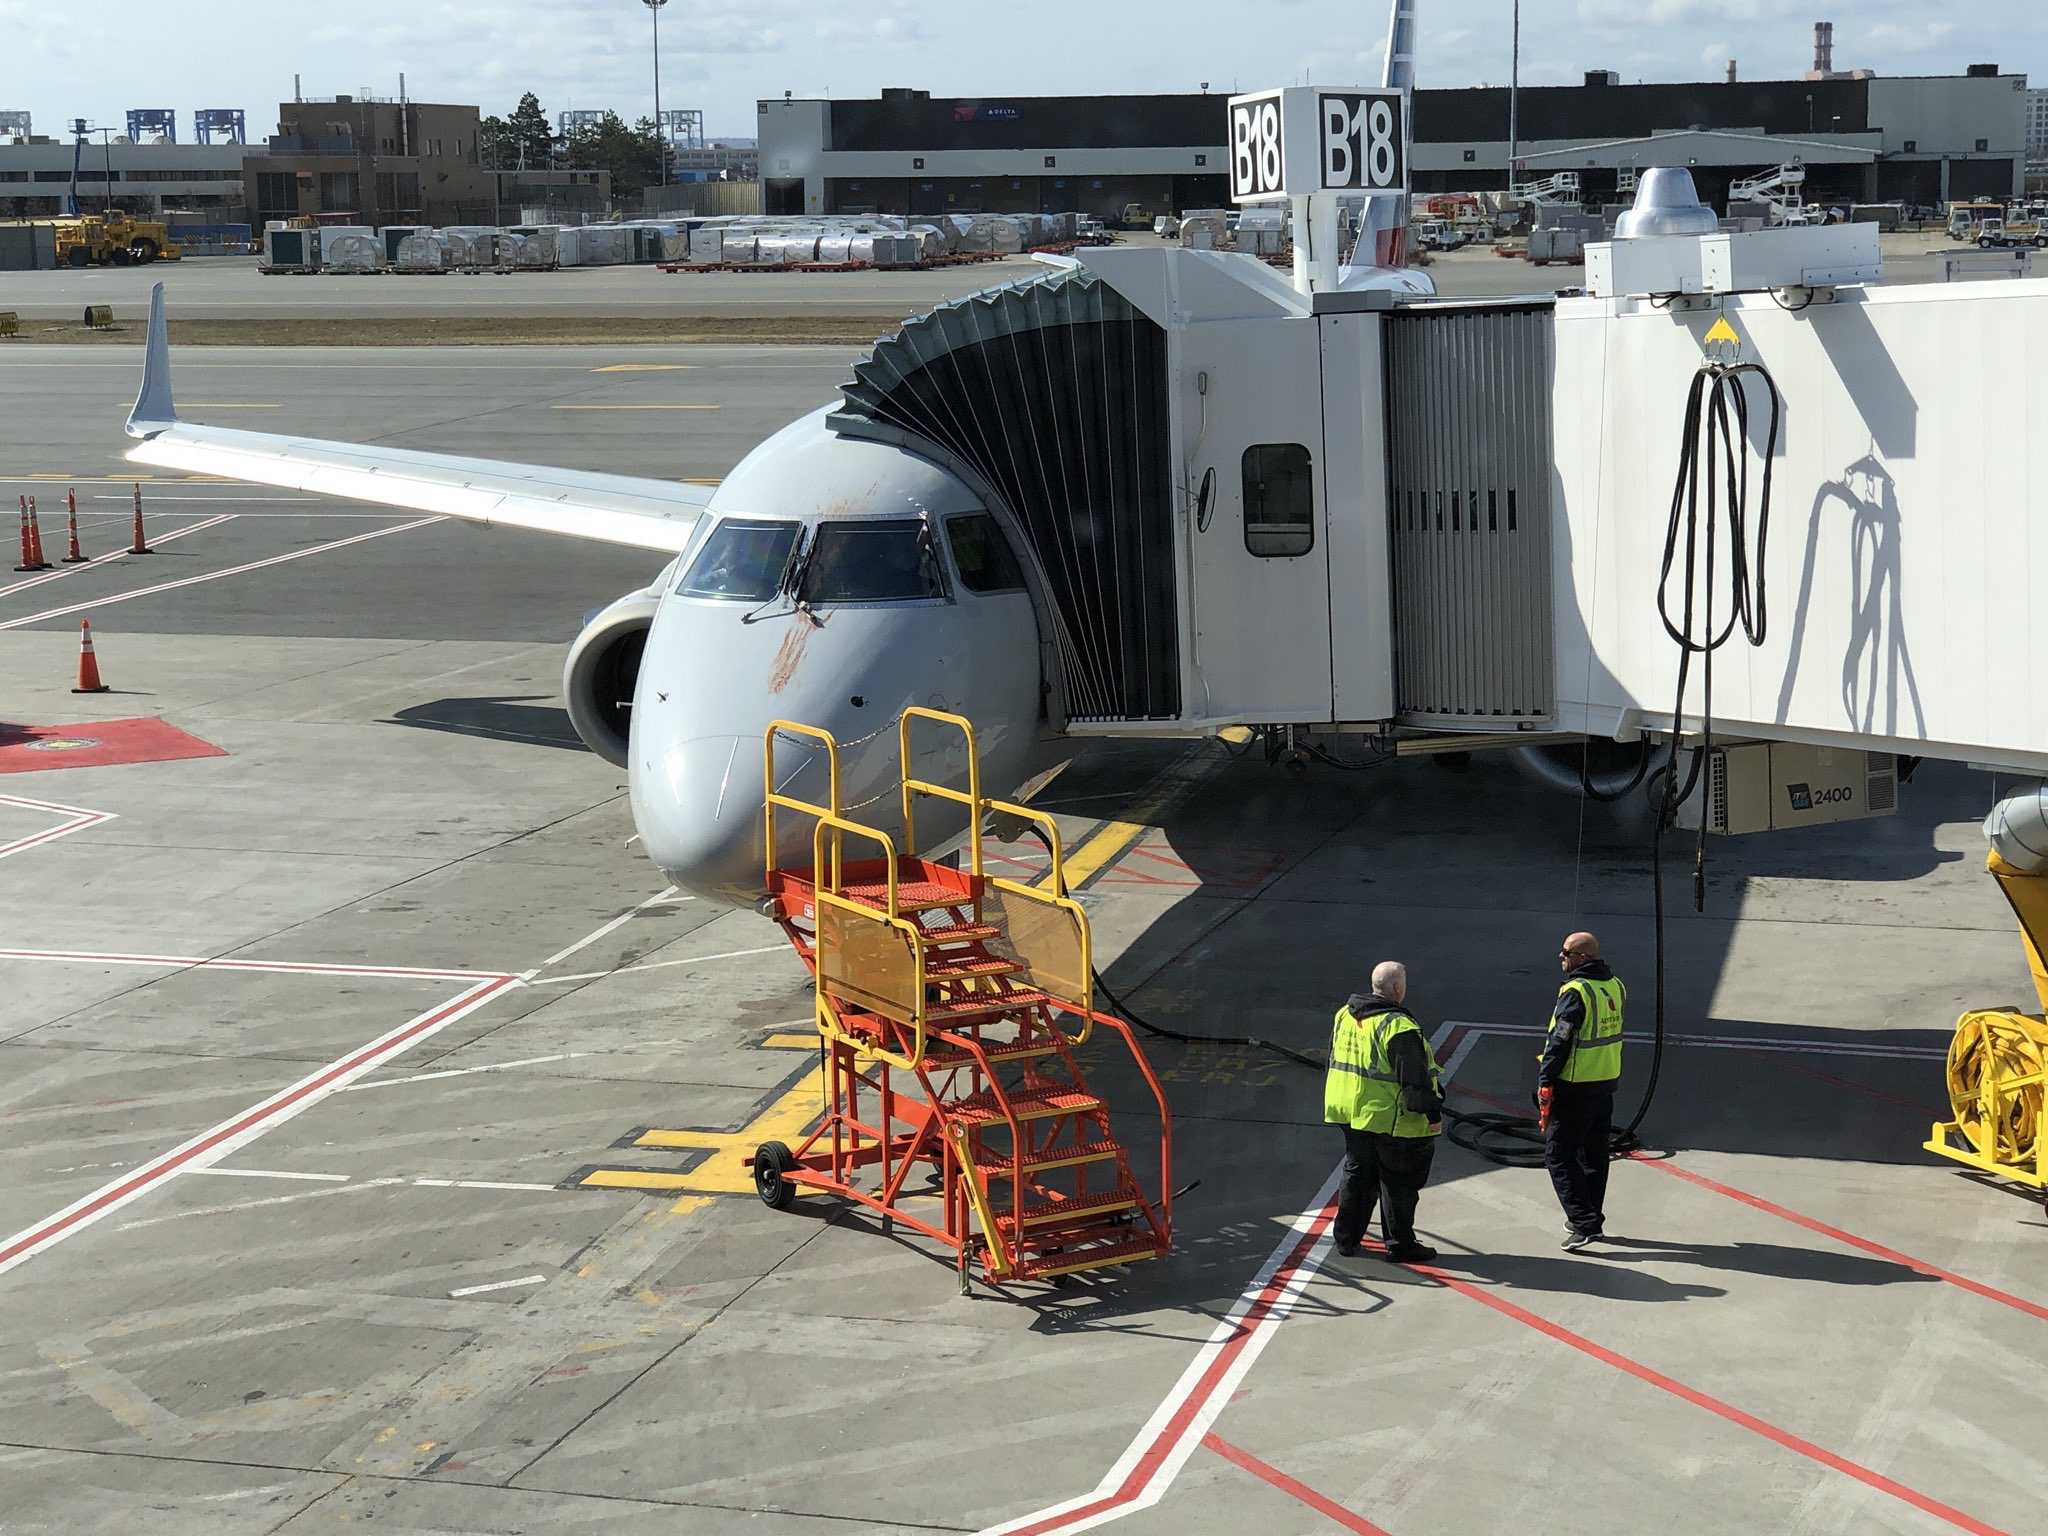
(953, 1006)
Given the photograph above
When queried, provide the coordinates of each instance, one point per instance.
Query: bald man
(1382, 1088)
(1576, 1074)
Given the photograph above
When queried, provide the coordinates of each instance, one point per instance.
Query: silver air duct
(2017, 829)
(1667, 203)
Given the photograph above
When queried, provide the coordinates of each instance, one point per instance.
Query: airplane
(1165, 492)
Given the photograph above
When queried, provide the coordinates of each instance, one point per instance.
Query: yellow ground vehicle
(113, 240)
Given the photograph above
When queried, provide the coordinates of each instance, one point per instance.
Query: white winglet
(154, 411)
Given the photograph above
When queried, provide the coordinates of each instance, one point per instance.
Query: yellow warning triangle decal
(1721, 330)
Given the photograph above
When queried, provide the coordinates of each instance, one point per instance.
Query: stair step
(941, 1057)
(974, 1005)
(1042, 1213)
(997, 1166)
(911, 895)
(951, 965)
(1075, 1260)
(959, 933)
(986, 1108)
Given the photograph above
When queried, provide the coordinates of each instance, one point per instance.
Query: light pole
(660, 137)
(1514, 96)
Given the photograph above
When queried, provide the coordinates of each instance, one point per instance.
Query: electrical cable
(1717, 409)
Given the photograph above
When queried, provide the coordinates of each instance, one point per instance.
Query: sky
(721, 55)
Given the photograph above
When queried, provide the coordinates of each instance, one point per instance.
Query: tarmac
(311, 1048)
(230, 288)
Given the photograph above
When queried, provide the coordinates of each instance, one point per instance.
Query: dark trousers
(1389, 1169)
(1575, 1151)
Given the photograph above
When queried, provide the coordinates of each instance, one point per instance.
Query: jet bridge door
(1251, 412)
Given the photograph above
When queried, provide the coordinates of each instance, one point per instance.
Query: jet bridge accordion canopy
(1049, 397)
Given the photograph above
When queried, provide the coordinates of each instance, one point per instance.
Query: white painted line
(120, 554)
(262, 967)
(600, 931)
(433, 1077)
(497, 1285)
(550, 1189)
(261, 501)
(230, 1136)
(252, 1205)
(233, 570)
(1151, 1462)
(1450, 1068)
(1791, 1044)
(78, 818)
(272, 1173)
(658, 965)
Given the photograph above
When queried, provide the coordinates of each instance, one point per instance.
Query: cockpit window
(871, 563)
(984, 556)
(740, 559)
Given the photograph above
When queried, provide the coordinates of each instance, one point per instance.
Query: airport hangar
(1921, 139)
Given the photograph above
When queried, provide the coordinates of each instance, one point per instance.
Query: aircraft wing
(614, 509)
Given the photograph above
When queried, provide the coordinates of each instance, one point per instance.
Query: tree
(533, 139)
(496, 146)
(632, 155)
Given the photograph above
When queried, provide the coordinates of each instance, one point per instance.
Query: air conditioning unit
(1770, 786)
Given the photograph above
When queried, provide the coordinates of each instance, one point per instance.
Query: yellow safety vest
(1360, 1089)
(1596, 1050)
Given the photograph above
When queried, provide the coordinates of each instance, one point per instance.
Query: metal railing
(772, 797)
(835, 944)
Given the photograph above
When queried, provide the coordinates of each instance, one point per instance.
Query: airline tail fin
(154, 410)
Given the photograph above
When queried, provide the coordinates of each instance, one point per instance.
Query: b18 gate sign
(1302, 139)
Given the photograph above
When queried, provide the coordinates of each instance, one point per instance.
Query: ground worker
(1383, 1089)
(1576, 1073)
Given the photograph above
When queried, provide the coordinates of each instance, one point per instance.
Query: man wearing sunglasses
(1576, 1074)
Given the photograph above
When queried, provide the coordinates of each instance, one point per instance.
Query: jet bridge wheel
(772, 1159)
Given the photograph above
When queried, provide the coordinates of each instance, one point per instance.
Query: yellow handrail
(1079, 914)
(971, 797)
(979, 1197)
(827, 894)
(771, 797)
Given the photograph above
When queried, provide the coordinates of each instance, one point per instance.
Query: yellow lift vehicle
(1998, 1060)
(114, 240)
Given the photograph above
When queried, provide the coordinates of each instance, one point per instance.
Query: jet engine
(603, 664)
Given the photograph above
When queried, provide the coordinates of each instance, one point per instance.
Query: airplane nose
(697, 804)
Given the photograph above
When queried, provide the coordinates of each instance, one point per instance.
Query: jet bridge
(1246, 504)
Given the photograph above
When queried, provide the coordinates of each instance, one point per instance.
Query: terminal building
(1912, 139)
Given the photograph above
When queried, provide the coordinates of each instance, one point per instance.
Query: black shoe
(1347, 1250)
(1410, 1253)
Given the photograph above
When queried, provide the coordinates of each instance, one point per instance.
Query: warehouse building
(1911, 139)
(35, 178)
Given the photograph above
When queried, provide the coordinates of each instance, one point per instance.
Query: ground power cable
(1716, 415)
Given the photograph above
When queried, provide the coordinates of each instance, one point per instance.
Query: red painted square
(96, 744)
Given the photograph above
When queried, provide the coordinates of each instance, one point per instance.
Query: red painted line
(1170, 1433)
(51, 834)
(1864, 1088)
(1713, 1405)
(166, 1166)
(1890, 1255)
(1237, 1455)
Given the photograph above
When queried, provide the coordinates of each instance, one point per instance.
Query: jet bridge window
(984, 557)
(874, 562)
(1279, 500)
(741, 559)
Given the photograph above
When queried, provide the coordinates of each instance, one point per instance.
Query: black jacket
(1405, 1054)
(1566, 1020)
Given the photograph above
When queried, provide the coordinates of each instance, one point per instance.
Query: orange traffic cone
(77, 555)
(88, 664)
(36, 562)
(138, 547)
(27, 550)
